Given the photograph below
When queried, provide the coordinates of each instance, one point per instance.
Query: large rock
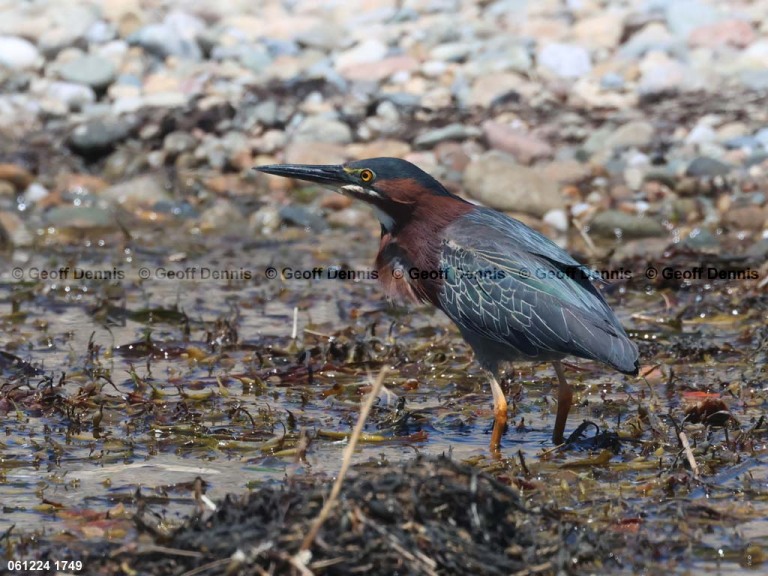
(636, 133)
(81, 218)
(322, 129)
(525, 147)
(706, 167)
(616, 224)
(99, 135)
(565, 171)
(93, 71)
(140, 191)
(603, 30)
(486, 90)
(499, 182)
(746, 218)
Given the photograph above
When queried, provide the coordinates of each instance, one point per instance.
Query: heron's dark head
(395, 188)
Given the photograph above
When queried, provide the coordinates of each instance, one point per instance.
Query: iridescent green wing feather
(511, 285)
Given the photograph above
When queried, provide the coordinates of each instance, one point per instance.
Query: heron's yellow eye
(366, 175)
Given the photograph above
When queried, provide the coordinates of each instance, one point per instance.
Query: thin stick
(298, 563)
(689, 454)
(347, 459)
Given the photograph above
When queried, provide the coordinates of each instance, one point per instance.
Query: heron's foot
(602, 440)
(500, 415)
(499, 428)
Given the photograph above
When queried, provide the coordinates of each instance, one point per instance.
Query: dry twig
(689, 454)
(347, 459)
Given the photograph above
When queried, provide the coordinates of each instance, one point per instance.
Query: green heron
(513, 293)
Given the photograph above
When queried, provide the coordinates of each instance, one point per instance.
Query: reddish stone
(746, 218)
(452, 155)
(72, 182)
(226, 185)
(16, 175)
(381, 70)
(335, 202)
(738, 33)
(525, 147)
(566, 171)
(314, 153)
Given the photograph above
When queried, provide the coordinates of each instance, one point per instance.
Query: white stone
(638, 159)
(367, 51)
(433, 68)
(18, 53)
(702, 133)
(641, 206)
(579, 209)
(35, 192)
(166, 99)
(557, 218)
(633, 176)
(565, 60)
(683, 16)
(73, 96)
(762, 137)
(755, 56)
(127, 104)
(100, 32)
(661, 73)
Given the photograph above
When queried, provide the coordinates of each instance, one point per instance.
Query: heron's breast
(400, 272)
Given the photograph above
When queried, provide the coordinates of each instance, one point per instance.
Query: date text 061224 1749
(44, 565)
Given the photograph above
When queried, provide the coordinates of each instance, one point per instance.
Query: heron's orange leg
(564, 401)
(499, 415)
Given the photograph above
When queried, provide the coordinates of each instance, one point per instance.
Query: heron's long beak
(327, 175)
